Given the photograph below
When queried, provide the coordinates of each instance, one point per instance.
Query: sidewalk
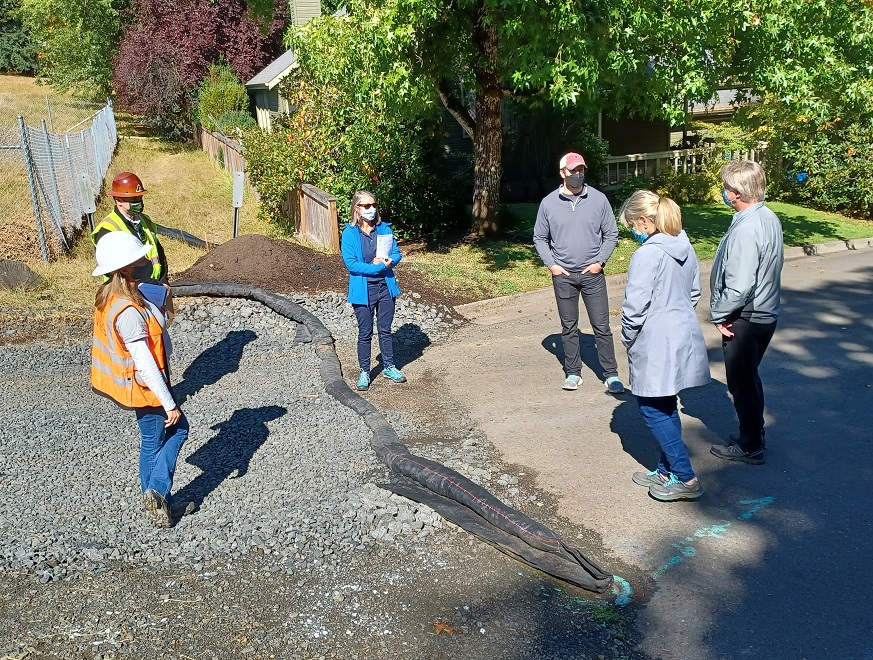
(767, 539)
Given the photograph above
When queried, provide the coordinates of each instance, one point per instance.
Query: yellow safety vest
(114, 222)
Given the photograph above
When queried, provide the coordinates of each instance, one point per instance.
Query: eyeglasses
(367, 206)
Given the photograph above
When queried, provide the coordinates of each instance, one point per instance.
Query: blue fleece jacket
(359, 270)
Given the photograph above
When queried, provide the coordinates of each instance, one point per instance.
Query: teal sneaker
(363, 381)
(572, 382)
(674, 490)
(613, 385)
(647, 479)
(394, 374)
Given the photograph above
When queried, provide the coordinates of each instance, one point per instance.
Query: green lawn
(490, 268)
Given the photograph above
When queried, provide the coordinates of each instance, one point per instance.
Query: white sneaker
(572, 383)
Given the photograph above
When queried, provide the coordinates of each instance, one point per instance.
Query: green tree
(810, 62)
(75, 42)
(221, 92)
(16, 50)
(643, 57)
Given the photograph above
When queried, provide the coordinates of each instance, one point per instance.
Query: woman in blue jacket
(370, 253)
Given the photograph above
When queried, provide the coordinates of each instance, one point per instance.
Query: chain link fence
(52, 171)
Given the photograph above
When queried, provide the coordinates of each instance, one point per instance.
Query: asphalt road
(775, 560)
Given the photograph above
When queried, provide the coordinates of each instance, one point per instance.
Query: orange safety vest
(113, 373)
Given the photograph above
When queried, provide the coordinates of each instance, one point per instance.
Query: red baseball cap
(572, 160)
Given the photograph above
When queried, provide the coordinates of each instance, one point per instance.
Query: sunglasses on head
(367, 206)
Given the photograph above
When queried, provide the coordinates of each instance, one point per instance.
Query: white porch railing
(649, 165)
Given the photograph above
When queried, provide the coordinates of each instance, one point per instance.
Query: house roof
(724, 101)
(272, 74)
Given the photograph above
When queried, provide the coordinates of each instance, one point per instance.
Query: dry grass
(22, 95)
(186, 191)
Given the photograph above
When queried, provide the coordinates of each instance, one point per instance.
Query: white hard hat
(116, 250)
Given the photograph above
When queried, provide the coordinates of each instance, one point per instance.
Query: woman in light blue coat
(665, 348)
(370, 253)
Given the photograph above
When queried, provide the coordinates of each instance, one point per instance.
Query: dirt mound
(286, 267)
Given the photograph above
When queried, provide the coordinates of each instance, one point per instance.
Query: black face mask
(575, 180)
(142, 273)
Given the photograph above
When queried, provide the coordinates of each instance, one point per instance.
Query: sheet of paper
(383, 244)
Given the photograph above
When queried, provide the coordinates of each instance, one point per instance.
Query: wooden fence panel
(319, 224)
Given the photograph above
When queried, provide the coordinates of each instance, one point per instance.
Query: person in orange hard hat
(128, 216)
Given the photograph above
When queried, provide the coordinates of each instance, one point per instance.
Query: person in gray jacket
(575, 234)
(746, 283)
(665, 347)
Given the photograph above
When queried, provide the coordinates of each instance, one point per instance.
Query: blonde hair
(118, 286)
(356, 199)
(746, 178)
(662, 211)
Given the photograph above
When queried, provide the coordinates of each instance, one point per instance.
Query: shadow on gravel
(212, 364)
(409, 344)
(587, 351)
(229, 453)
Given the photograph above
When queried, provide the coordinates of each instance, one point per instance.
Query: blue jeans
(382, 305)
(661, 415)
(159, 449)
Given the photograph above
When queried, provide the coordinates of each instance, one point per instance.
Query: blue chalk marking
(717, 531)
(622, 590)
(757, 505)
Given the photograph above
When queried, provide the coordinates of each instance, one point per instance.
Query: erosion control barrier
(452, 495)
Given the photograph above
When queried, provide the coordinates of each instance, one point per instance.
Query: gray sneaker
(675, 490)
(572, 382)
(156, 508)
(733, 452)
(647, 479)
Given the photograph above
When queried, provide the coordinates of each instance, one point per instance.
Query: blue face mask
(640, 236)
(725, 198)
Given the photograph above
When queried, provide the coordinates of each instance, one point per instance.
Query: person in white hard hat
(129, 365)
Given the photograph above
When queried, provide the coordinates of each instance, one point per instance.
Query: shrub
(220, 93)
(340, 147)
(230, 122)
(838, 166)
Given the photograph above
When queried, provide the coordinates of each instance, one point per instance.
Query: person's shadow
(409, 343)
(636, 438)
(229, 453)
(212, 364)
(587, 351)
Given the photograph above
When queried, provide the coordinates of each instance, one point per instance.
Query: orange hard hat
(127, 184)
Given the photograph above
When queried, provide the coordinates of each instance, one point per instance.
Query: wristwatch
(603, 264)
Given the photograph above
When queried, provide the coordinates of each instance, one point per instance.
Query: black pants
(742, 356)
(592, 288)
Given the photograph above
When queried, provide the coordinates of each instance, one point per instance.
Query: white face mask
(369, 214)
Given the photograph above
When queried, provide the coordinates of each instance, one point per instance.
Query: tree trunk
(488, 135)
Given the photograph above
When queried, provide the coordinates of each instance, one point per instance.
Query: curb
(476, 310)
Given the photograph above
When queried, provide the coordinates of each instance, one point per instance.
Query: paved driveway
(775, 560)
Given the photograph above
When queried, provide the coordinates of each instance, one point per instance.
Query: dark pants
(592, 288)
(742, 356)
(382, 305)
(661, 415)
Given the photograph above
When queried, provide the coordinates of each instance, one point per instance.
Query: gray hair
(356, 199)
(746, 178)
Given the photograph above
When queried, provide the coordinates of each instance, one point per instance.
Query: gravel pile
(280, 468)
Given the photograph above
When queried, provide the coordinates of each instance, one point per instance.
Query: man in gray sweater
(575, 234)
